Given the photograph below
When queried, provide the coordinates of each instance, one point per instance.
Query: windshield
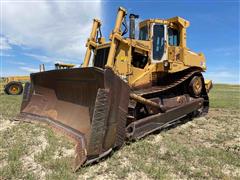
(143, 33)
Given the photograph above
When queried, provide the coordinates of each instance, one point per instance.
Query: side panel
(193, 59)
(123, 61)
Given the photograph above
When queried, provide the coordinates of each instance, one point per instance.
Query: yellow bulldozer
(126, 88)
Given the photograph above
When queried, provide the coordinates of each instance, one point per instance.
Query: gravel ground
(206, 147)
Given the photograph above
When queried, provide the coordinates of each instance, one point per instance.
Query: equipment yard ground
(206, 147)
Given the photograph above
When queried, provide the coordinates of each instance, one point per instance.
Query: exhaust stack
(41, 67)
(132, 18)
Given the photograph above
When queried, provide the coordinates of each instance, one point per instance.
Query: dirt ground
(206, 147)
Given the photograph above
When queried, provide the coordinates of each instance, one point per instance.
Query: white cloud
(16, 62)
(42, 58)
(2, 54)
(223, 76)
(4, 44)
(48, 59)
(29, 69)
(59, 28)
(227, 51)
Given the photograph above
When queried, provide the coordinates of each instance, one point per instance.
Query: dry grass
(207, 147)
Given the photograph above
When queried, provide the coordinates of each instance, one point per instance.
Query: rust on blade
(45, 103)
(89, 105)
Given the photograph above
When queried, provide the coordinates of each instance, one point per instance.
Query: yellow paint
(16, 78)
(208, 84)
(120, 57)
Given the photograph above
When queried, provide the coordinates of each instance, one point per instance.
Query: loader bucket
(89, 105)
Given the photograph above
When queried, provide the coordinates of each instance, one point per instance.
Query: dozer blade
(89, 105)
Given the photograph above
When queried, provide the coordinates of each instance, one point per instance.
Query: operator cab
(163, 34)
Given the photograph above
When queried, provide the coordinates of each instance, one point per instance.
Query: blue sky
(47, 32)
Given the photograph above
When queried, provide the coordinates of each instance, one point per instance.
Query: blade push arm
(114, 36)
(91, 41)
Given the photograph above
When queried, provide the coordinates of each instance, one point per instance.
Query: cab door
(159, 42)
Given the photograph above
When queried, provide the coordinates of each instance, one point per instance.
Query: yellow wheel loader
(13, 85)
(126, 88)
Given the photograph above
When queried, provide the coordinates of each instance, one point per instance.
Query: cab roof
(174, 20)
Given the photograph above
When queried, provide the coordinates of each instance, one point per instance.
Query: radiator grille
(101, 56)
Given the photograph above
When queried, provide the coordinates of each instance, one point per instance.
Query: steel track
(158, 90)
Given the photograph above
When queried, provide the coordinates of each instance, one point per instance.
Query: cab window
(173, 37)
(143, 33)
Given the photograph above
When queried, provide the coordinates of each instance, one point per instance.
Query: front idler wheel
(195, 86)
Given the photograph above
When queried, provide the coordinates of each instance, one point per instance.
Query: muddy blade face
(87, 104)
